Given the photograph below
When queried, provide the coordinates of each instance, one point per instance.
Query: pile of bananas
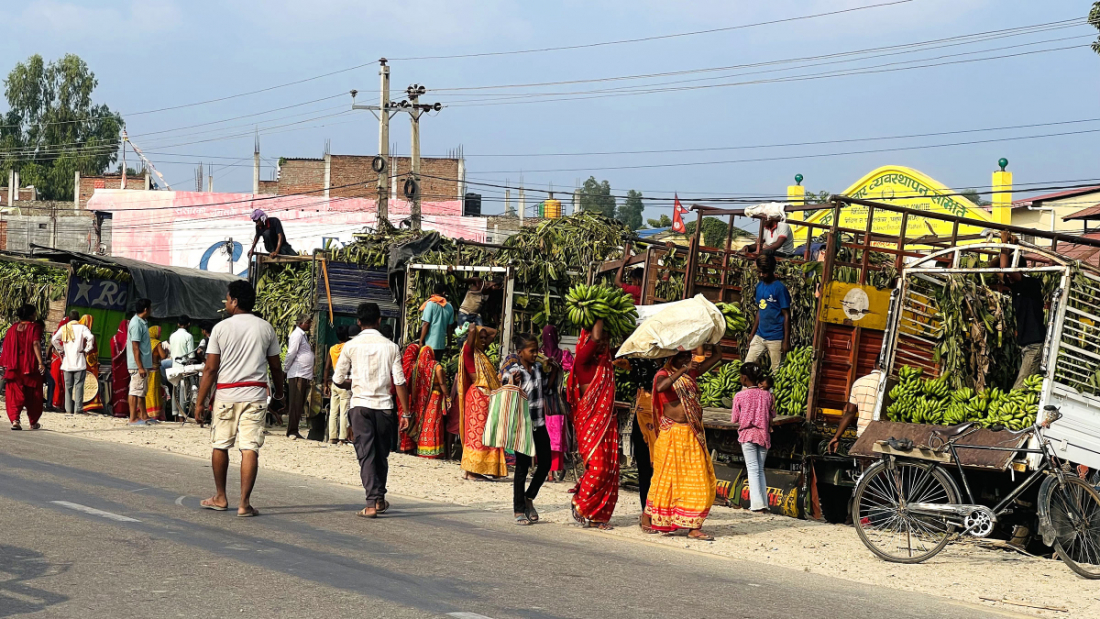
(88, 271)
(719, 385)
(932, 401)
(587, 304)
(792, 382)
(736, 321)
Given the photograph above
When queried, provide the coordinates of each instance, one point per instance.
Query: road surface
(97, 529)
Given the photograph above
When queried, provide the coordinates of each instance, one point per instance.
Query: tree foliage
(1094, 21)
(715, 231)
(974, 196)
(664, 221)
(595, 196)
(630, 211)
(52, 128)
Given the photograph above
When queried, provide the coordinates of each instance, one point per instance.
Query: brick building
(351, 176)
(86, 185)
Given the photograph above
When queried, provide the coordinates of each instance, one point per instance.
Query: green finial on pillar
(1003, 163)
(798, 177)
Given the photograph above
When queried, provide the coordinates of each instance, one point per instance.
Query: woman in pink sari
(120, 375)
(557, 422)
(591, 392)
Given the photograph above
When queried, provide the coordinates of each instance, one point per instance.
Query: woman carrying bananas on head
(682, 489)
(591, 393)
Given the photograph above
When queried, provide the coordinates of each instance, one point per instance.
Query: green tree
(664, 221)
(715, 231)
(596, 196)
(974, 196)
(1094, 20)
(630, 211)
(820, 197)
(52, 128)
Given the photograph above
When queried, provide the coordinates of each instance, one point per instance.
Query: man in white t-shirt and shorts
(241, 350)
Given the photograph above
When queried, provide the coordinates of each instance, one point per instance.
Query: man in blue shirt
(437, 316)
(139, 360)
(771, 331)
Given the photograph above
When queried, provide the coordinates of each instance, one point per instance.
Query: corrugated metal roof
(351, 284)
(651, 232)
(1056, 196)
(1092, 212)
(1084, 253)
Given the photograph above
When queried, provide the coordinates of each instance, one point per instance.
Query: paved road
(150, 551)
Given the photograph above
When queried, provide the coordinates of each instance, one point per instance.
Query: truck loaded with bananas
(586, 304)
(933, 401)
(790, 390)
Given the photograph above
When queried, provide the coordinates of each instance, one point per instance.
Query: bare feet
(474, 477)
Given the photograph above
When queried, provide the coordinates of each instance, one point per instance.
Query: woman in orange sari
(429, 400)
(591, 393)
(95, 405)
(154, 398)
(408, 366)
(682, 488)
(476, 379)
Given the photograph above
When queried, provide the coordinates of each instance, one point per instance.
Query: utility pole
(381, 163)
(256, 166)
(229, 250)
(124, 138)
(414, 93)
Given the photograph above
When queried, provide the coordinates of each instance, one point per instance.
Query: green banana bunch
(586, 304)
(720, 385)
(792, 382)
(931, 401)
(736, 321)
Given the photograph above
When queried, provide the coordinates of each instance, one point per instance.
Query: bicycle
(184, 378)
(907, 508)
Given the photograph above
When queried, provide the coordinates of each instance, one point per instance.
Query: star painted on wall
(83, 289)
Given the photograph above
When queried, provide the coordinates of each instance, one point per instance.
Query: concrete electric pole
(381, 163)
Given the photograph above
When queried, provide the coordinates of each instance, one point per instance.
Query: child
(753, 411)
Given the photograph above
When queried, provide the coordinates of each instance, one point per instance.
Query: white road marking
(467, 616)
(179, 501)
(95, 512)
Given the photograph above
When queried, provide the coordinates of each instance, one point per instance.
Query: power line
(540, 50)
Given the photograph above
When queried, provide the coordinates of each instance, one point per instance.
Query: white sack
(671, 327)
(767, 210)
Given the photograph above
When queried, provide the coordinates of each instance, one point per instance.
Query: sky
(713, 121)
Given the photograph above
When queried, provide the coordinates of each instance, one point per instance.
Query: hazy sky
(152, 54)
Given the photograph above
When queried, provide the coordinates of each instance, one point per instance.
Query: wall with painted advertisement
(191, 229)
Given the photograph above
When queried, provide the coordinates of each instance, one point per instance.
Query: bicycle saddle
(953, 431)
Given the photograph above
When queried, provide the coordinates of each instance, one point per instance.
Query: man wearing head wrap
(271, 230)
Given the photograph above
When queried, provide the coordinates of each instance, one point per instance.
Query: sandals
(16, 427)
(602, 526)
(522, 520)
(363, 513)
(251, 513)
(580, 519)
(702, 537)
(36, 426)
(206, 504)
(381, 506)
(530, 512)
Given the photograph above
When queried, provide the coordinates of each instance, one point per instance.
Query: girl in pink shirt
(753, 410)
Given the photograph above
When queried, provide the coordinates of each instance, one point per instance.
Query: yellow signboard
(905, 187)
(852, 304)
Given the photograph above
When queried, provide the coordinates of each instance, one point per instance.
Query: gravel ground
(962, 572)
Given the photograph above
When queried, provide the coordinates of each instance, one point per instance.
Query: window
(41, 226)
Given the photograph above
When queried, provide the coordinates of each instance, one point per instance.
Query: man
(271, 229)
(23, 368)
(299, 372)
(778, 238)
(436, 316)
(73, 342)
(139, 360)
(1028, 301)
(771, 331)
(477, 291)
(370, 365)
(860, 407)
(200, 351)
(634, 288)
(241, 350)
(55, 379)
(339, 399)
(181, 344)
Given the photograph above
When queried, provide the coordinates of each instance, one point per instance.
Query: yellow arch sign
(909, 188)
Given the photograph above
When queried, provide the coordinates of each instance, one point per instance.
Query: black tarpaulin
(401, 254)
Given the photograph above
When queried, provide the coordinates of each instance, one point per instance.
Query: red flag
(678, 211)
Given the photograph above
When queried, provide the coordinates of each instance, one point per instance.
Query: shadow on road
(17, 567)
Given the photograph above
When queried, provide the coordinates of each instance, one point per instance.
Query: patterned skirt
(683, 485)
(430, 443)
(476, 457)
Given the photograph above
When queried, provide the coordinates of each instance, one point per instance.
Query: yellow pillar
(1002, 194)
(796, 196)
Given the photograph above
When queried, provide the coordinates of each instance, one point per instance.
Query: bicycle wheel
(881, 517)
(1074, 510)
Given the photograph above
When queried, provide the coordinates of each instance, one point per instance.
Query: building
(351, 176)
(1052, 212)
(54, 224)
(85, 186)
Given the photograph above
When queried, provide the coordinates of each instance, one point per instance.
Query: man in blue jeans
(771, 331)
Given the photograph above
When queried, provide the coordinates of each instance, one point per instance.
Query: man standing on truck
(436, 318)
(634, 288)
(778, 239)
(771, 331)
(1028, 301)
(477, 291)
(271, 229)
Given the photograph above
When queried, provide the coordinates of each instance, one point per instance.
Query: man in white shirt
(299, 373)
(73, 342)
(181, 343)
(778, 238)
(241, 350)
(860, 407)
(370, 365)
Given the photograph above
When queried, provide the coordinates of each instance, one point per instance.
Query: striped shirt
(864, 395)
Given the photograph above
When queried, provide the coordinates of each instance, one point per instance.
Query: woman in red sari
(429, 400)
(477, 378)
(120, 375)
(24, 368)
(408, 366)
(591, 392)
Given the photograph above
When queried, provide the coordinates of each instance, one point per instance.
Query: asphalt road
(149, 551)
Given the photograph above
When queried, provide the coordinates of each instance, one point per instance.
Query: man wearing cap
(271, 229)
